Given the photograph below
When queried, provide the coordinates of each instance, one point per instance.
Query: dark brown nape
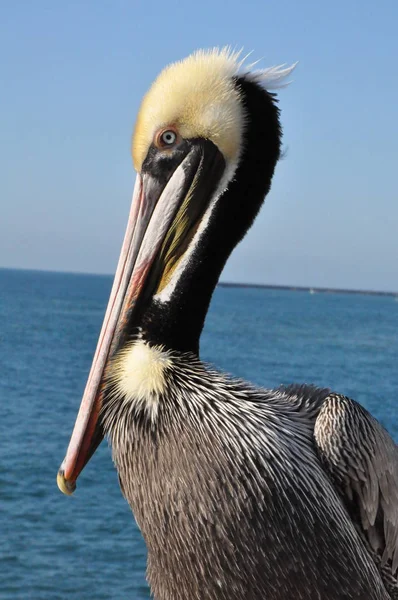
(178, 324)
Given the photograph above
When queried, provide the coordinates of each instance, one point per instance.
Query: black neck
(178, 324)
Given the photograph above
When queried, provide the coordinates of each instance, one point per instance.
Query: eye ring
(167, 138)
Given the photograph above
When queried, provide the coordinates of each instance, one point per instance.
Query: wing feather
(362, 460)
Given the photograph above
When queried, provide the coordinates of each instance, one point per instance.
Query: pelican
(241, 493)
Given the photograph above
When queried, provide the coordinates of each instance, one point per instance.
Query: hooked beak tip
(66, 486)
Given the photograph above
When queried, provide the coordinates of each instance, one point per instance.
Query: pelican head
(205, 145)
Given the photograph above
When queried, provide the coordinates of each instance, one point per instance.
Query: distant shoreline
(265, 286)
(311, 290)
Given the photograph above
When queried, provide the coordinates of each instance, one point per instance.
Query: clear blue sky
(71, 78)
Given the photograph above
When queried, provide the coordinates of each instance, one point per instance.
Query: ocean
(88, 547)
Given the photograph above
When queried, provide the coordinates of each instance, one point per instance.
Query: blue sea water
(87, 547)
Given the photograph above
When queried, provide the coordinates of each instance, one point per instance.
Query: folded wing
(362, 460)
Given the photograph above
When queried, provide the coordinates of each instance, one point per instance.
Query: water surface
(88, 547)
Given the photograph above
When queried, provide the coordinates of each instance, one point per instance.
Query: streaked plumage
(241, 493)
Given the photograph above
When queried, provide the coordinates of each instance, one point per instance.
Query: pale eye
(168, 138)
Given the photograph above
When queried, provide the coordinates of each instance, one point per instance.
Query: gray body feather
(250, 494)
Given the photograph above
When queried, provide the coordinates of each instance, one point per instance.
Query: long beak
(157, 209)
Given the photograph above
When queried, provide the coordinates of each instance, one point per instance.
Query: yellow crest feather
(196, 95)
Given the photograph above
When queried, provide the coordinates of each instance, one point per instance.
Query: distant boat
(312, 291)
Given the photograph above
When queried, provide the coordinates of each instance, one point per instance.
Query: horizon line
(270, 286)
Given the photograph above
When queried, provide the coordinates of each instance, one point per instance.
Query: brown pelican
(240, 492)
